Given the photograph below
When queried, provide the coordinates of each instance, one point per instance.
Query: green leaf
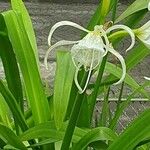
(117, 72)
(13, 106)
(133, 8)
(136, 55)
(105, 108)
(48, 130)
(44, 142)
(4, 112)
(137, 131)
(135, 18)
(124, 105)
(10, 147)
(96, 134)
(95, 18)
(11, 70)
(63, 82)
(84, 120)
(9, 136)
(18, 6)
(27, 60)
(99, 15)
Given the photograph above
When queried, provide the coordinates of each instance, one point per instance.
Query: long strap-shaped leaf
(11, 102)
(48, 130)
(18, 6)
(4, 112)
(116, 71)
(63, 82)
(27, 61)
(138, 130)
(11, 138)
(11, 69)
(97, 134)
(133, 8)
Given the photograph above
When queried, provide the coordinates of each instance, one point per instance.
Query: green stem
(96, 87)
(114, 10)
(74, 116)
(120, 95)
(105, 109)
(113, 121)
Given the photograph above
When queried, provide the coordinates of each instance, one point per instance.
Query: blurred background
(45, 13)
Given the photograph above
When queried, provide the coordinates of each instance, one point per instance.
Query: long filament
(89, 75)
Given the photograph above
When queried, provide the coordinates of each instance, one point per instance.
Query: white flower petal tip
(143, 33)
(147, 78)
(122, 64)
(149, 6)
(127, 29)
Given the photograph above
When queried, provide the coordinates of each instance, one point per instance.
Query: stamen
(89, 75)
(106, 41)
(64, 23)
(86, 65)
(99, 60)
(130, 32)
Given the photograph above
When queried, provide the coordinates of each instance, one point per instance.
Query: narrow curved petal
(122, 64)
(130, 32)
(149, 6)
(147, 78)
(60, 43)
(64, 23)
(76, 79)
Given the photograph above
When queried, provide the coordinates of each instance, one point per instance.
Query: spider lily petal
(143, 33)
(122, 64)
(130, 32)
(147, 78)
(60, 43)
(149, 6)
(64, 23)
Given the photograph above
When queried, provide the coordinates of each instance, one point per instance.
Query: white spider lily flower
(143, 33)
(147, 78)
(89, 51)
